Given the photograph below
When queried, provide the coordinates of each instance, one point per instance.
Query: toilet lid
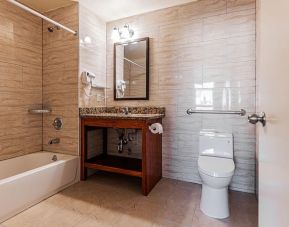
(216, 167)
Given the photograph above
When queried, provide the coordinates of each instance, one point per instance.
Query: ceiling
(108, 10)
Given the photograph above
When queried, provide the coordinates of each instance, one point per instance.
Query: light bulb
(115, 34)
(87, 40)
(125, 32)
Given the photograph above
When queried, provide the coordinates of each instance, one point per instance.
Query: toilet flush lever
(255, 118)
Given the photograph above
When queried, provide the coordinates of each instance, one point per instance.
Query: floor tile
(110, 200)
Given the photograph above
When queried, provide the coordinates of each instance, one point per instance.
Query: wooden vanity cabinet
(149, 168)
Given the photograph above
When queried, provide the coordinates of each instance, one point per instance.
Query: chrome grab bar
(241, 112)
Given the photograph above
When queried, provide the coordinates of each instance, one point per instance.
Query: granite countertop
(135, 113)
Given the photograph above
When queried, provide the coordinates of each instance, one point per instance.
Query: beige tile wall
(203, 49)
(20, 81)
(92, 57)
(202, 54)
(60, 81)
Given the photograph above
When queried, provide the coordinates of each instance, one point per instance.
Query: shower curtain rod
(14, 2)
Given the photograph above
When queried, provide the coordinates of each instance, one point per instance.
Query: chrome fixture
(122, 140)
(52, 28)
(125, 110)
(125, 33)
(54, 141)
(132, 136)
(57, 123)
(255, 118)
(39, 111)
(241, 112)
(120, 145)
(54, 158)
(32, 11)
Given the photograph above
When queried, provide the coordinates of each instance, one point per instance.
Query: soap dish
(39, 111)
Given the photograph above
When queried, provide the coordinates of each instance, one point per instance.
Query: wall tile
(92, 57)
(60, 81)
(20, 81)
(238, 5)
(202, 55)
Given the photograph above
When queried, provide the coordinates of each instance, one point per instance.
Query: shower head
(51, 28)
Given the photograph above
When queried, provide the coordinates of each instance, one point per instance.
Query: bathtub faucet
(54, 141)
(54, 158)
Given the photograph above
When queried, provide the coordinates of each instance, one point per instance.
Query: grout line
(42, 89)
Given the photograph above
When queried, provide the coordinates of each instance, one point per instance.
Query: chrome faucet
(125, 110)
(54, 158)
(54, 141)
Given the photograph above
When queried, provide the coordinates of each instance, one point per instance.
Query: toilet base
(215, 202)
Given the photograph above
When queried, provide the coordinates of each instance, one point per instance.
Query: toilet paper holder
(156, 128)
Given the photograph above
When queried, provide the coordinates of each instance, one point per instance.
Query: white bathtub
(26, 180)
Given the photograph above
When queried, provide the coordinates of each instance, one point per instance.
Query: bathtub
(28, 179)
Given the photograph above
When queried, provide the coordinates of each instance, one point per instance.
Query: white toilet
(216, 168)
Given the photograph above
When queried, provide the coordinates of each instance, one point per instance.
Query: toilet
(216, 168)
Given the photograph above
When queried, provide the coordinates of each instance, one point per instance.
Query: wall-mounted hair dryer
(120, 87)
(87, 77)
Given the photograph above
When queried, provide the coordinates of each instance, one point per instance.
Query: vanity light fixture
(125, 33)
(87, 40)
(115, 34)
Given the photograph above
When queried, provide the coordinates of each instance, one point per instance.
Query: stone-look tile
(240, 23)
(44, 214)
(202, 56)
(201, 220)
(202, 9)
(180, 33)
(20, 81)
(243, 209)
(60, 81)
(92, 57)
(238, 5)
(115, 201)
(120, 110)
(222, 75)
(92, 222)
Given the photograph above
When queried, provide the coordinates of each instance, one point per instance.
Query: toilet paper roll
(156, 128)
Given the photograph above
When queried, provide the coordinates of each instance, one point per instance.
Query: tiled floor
(113, 200)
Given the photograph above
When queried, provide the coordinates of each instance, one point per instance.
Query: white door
(273, 99)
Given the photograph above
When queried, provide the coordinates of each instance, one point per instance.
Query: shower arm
(14, 2)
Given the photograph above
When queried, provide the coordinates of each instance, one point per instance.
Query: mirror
(131, 70)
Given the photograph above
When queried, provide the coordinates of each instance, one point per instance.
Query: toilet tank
(216, 144)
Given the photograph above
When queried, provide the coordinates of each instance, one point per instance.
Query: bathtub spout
(54, 158)
(54, 141)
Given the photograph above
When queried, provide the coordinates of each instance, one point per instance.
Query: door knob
(255, 118)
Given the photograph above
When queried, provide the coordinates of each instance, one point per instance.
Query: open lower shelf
(116, 164)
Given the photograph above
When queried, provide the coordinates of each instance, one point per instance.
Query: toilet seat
(216, 167)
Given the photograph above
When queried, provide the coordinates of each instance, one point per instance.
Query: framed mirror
(131, 70)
